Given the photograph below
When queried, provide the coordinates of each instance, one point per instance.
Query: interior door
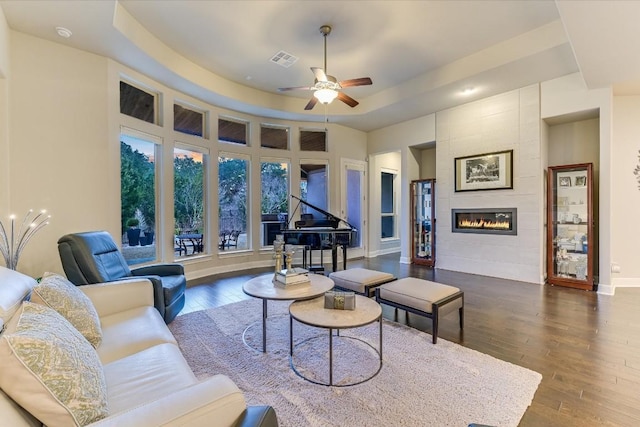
(353, 204)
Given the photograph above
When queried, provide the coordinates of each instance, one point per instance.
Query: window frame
(206, 173)
(195, 109)
(394, 202)
(157, 100)
(247, 133)
(249, 205)
(158, 143)
(326, 140)
(287, 131)
(281, 160)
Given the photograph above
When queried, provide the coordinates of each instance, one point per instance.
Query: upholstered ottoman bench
(360, 280)
(423, 297)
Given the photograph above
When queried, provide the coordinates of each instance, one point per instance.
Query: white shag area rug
(419, 384)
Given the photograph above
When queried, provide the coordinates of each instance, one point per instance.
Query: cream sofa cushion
(64, 297)
(146, 376)
(15, 287)
(131, 331)
(50, 369)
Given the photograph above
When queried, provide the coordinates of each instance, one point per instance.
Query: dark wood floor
(585, 345)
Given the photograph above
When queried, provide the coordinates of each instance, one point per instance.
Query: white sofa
(148, 380)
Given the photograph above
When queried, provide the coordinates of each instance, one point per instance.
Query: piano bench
(308, 255)
(360, 280)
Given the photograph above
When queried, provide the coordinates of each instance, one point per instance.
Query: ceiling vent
(284, 59)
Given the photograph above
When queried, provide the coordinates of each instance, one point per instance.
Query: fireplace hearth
(485, 221)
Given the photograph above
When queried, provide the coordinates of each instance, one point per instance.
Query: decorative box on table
(291, 277)
(340, 300)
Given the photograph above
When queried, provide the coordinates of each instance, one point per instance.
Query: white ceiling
(419, 54)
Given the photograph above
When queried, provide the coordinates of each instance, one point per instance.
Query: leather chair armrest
(159, 270)
(258, 416)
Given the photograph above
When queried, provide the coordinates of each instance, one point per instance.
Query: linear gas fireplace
(485, 221)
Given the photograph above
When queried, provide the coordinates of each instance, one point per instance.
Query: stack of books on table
(291, 277)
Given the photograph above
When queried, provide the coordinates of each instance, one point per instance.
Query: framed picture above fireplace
(489, 171)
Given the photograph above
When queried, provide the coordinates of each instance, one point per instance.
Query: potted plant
(133, 233)
(149, 232)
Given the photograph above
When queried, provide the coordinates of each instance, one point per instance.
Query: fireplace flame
(483, 223)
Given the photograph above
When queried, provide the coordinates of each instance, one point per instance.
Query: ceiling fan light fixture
(326, 88)
(325, 96)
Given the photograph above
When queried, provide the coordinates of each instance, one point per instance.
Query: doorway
(353, 206)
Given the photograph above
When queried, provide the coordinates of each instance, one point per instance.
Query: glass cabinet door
(570, 239)
(423, 222)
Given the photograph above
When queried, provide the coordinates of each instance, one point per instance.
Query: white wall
(4, 117)
(57, 143)
(64, 152)
(4, 45)
(428, 163)
(568, 96)
(505, 122)
(402, 137)
(625, 191)
(387, 162)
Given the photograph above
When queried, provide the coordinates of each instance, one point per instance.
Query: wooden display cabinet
(570, 226)
(423, 235)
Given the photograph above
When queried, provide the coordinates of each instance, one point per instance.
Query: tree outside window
(138, 199)
(274, 201)
(188, 180)
(232, 199)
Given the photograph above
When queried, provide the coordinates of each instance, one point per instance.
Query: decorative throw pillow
(50, 369)
(64, 297)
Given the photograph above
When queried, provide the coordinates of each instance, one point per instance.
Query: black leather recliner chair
(93, 257)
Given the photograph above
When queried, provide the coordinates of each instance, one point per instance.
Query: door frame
(361, 166)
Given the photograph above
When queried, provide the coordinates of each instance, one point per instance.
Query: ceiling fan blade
(319, 73)
(362, 81)
(284, 89)
(347, 99)
(312, 103)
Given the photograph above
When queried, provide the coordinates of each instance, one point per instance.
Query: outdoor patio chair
(233, 239)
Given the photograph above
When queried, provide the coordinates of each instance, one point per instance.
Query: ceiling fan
(326, 88)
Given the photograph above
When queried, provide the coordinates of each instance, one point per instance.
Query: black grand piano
(320, 232)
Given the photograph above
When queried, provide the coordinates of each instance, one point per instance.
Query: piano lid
(330, 221)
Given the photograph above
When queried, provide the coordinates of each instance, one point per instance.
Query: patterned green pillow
(50, 369)
(64, 297)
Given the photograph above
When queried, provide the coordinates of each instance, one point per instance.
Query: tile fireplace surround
(485, 221)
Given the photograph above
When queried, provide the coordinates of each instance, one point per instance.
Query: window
(189, 205)
(232, 131)
(313, 140)
(138, 191)
(188, 121)
(233, 181)
(274, 137)
(138, 103)
(388, 205)
(274, 201)
(313, 187)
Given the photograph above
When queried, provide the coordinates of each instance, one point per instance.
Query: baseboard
(630, 282)
(606, 289)
(227, 269)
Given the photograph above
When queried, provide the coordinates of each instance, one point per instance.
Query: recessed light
(468, 91)
(63, 32)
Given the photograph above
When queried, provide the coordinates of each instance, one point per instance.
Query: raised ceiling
(421, 55)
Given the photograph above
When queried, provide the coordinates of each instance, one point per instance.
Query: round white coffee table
(313, 313)
(262, 287)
